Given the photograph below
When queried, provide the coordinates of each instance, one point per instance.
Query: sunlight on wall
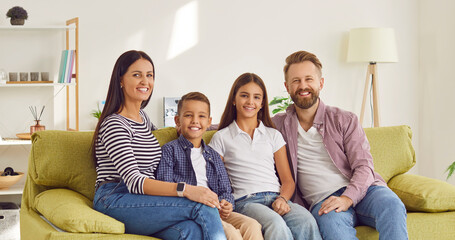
(185, 31)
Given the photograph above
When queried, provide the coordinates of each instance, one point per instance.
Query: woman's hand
(281, 206)
(226, 209)
(202, 195)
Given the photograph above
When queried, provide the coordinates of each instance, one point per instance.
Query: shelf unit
(69, 26)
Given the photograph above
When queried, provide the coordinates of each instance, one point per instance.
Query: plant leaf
(277, 100)
(450, 170)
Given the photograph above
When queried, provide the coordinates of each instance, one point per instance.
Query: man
(331, 161)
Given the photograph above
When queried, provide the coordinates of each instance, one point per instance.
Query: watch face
(180, 186)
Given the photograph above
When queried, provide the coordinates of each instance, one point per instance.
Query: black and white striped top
(128, 150)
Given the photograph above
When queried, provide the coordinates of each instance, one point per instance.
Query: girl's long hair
(115, 98)
(230, 112)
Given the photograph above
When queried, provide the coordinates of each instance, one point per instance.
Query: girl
(254, 154)
(126, 156)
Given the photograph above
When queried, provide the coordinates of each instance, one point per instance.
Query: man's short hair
(299, 57)
(197, 96)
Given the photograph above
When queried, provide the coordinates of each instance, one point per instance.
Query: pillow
(73, 212)
(422, 194)
(165, 135)
(63, 159)
(392, 151)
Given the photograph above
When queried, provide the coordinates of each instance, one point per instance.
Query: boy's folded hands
(226, 209)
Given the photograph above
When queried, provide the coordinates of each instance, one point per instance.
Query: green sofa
(58, 194)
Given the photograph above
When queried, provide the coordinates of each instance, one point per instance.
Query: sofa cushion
(423, 194)
(63, 159)
(73, 212)
(165, 135)
(392, 150)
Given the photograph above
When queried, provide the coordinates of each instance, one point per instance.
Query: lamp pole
(371, 75)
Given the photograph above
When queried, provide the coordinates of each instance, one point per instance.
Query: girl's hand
(202, 195)
(226, 209)
(281, 206)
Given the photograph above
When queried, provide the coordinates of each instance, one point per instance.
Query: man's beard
(305, 103)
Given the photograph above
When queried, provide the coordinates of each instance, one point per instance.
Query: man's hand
(202, 195)
(335, 203)
(226, 209)
(281, 206)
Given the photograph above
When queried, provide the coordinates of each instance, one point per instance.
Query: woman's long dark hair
(115, 98)
(230, 112)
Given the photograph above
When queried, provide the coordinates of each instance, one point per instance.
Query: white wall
(233, 37)
(437, 83)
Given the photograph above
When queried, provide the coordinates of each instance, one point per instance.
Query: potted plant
(18, 15)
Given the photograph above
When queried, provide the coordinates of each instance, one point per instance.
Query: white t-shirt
(249, 162)
(199, 166)
(318, 177)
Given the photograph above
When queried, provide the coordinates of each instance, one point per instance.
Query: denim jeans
(380, 208)
(162, 217)
(296, 224)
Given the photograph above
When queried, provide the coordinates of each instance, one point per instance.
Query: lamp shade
(372, 45)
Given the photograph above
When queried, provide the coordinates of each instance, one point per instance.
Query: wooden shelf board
(14, 141)
(36, 27)
(17, 188)
(28, 82)
(35, 84)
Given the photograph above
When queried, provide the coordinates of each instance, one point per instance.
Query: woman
(254, 153)
(127, 154)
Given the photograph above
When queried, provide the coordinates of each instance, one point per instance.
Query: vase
(37, 127)
(17, 21)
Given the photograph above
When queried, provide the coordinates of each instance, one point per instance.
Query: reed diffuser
(37, 127)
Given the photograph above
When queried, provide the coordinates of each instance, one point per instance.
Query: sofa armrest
(423, 194)
(73, 212)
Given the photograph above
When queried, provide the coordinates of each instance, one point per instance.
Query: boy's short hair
(299, 57)
(197, 96)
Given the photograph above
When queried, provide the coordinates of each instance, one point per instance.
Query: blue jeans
(380, 208)
(162, 217)
(296, 224)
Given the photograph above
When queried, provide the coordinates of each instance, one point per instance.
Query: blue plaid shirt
(176, 166)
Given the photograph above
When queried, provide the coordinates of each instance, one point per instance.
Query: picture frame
(170, 110)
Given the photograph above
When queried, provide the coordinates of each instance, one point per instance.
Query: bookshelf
(14, 152)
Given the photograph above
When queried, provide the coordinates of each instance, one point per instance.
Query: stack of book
(65, 73)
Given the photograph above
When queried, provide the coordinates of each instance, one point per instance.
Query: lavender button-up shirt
(345, 142)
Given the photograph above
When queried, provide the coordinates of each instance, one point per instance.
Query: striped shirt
(127, 150)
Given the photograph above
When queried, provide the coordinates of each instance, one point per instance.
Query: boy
(189, 160)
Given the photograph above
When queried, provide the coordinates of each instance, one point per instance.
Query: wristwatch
(180, 188)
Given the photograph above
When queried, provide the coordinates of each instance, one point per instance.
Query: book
(61, 72)
(70, 67)
(67, 63)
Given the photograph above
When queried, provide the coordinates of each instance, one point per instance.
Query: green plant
(17, 13)
(450, 170)
(96, 113)
(281, 104)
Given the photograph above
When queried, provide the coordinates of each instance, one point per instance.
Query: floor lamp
(372, 45)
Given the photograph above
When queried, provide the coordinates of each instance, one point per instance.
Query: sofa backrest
(392, 150)
(62, 159)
